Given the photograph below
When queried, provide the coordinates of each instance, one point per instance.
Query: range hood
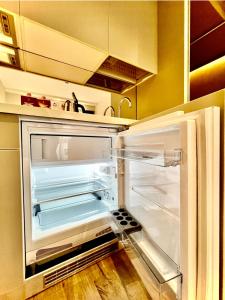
(117, 76)
(43, 50)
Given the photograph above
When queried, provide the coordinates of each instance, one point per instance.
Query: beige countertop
(24, 110)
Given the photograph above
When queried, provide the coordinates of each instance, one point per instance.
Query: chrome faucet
(66, 105)
(112, 109)
(127, 99)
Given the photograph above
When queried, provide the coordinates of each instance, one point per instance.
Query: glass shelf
(55, 192)
(162, 158)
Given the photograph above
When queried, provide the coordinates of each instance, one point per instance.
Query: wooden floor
(110, 279)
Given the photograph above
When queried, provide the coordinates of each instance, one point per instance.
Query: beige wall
(166, 89)
(126, 111)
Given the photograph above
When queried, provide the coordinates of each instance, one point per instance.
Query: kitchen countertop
(24, 110)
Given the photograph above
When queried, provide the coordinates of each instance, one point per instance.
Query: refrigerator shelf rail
(159, 199)
(161, 158)
(61, 192)
(51, 183)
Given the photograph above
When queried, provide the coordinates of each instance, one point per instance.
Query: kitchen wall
(166, 89)
(126, 111)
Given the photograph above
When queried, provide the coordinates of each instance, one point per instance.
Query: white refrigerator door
(177, 203)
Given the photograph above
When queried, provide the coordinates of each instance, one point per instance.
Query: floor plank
(111, 287)
(113, 278)
(131, 280)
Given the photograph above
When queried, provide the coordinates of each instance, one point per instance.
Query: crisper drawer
(54, 148)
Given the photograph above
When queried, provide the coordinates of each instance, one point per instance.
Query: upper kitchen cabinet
(47, 42)
(133, 33)
(86, 21)
(36, 48)
(49, 67)
(13, 6)
(114, 44)
(132, 46)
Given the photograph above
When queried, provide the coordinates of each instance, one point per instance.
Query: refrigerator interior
(72, 184)
(65, 195)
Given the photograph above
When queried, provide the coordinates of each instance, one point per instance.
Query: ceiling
(207, 32)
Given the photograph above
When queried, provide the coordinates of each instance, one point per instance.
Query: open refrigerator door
(170, 173)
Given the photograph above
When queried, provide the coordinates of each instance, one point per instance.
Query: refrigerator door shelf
(124, 221)
(162, 158)
(159, 273)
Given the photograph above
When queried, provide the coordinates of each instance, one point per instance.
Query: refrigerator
(152, 188)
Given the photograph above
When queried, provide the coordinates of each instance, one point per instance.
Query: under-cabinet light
(6, 39)
(8, 50)
(5, 53)
(206, 68)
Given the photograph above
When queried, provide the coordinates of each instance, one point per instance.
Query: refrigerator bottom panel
(67, 254)
(62, 215)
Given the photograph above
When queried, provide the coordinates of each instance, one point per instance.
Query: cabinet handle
(43, 148)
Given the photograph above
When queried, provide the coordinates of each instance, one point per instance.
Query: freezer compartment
(65, 148)
(159, 273)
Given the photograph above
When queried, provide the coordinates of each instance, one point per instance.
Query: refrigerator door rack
(164, 278)
(124, 221)
(161, 158)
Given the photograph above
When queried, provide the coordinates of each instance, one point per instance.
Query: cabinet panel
(84, 20)
(11, 6)
(11, 251)
(133, 33)
(52, 68)
(9, 131)
(47, 42)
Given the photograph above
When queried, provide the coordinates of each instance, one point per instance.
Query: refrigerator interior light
(7, 50)
(5, 53)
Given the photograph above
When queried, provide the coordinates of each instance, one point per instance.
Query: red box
(28, 100)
